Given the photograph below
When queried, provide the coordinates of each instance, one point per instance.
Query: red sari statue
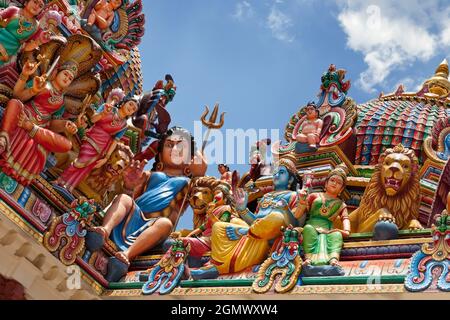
(30, 130)
(110, 124)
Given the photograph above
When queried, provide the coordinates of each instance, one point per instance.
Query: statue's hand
(283, 204)
(345, 233)
(30, 68)
(134, 173)
(39, 83)
(299, 138)
(71, 127)
(106, 109)
(241, 198)
(3, 22)
(100, 163)
(302, 195)
(210, 207)
(234, 233)
(175, 235)
(415, 225)
(81, 122)
(44, 37)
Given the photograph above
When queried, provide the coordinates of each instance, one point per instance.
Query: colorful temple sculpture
(94, 178)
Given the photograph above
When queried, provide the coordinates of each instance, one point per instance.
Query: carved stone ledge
(30, 265)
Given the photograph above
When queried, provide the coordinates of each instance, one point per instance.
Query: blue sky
(263, 59)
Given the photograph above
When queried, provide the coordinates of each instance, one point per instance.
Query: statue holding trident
(210, 124)
(146, 214)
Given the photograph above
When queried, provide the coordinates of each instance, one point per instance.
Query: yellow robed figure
(246, 241)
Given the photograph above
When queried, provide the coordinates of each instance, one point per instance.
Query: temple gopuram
(94, 178)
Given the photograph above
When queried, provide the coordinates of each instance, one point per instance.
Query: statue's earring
(159, 166)
(187, 172)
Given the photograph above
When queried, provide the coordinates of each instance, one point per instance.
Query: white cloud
(446, 36)
(279, 23)
(274, 20)
(243, 11)
(445, 39)
(392, 35)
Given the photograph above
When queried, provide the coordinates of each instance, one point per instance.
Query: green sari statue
(322, 243)
(19, 26)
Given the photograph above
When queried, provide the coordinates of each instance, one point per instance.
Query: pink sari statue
(110, 124)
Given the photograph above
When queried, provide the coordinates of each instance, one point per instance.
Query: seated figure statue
(103, 13)
(311, 127)
(241, 243)
(225, 173)
(32, 124)
(219, 209)
(145, 216)
(322, 241)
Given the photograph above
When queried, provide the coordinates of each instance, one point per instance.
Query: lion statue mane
(202, 193)
(393, 192)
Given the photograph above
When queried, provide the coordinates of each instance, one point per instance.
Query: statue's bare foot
(57, 182)
(307, 262)
(122, 257)
(334, 262)
(208, 271)
(101, 230)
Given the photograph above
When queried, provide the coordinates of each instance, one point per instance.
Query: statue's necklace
(324, 209)
(24, 25)
(269, 200)
(116, 119)
(56, 96)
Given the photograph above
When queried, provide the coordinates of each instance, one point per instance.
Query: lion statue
(392, 196)
(104, 183)
(202, 193)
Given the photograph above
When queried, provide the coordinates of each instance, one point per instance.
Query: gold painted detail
(17, 220)
(362, 244)
(246, 292)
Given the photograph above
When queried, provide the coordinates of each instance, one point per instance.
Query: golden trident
(211, 123)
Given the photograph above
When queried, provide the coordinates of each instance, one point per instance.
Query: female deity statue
(19, 25)
(144, 217)
(30, 130)
(218, 210)
(241, 243)
(100, 141)
(322, 243)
